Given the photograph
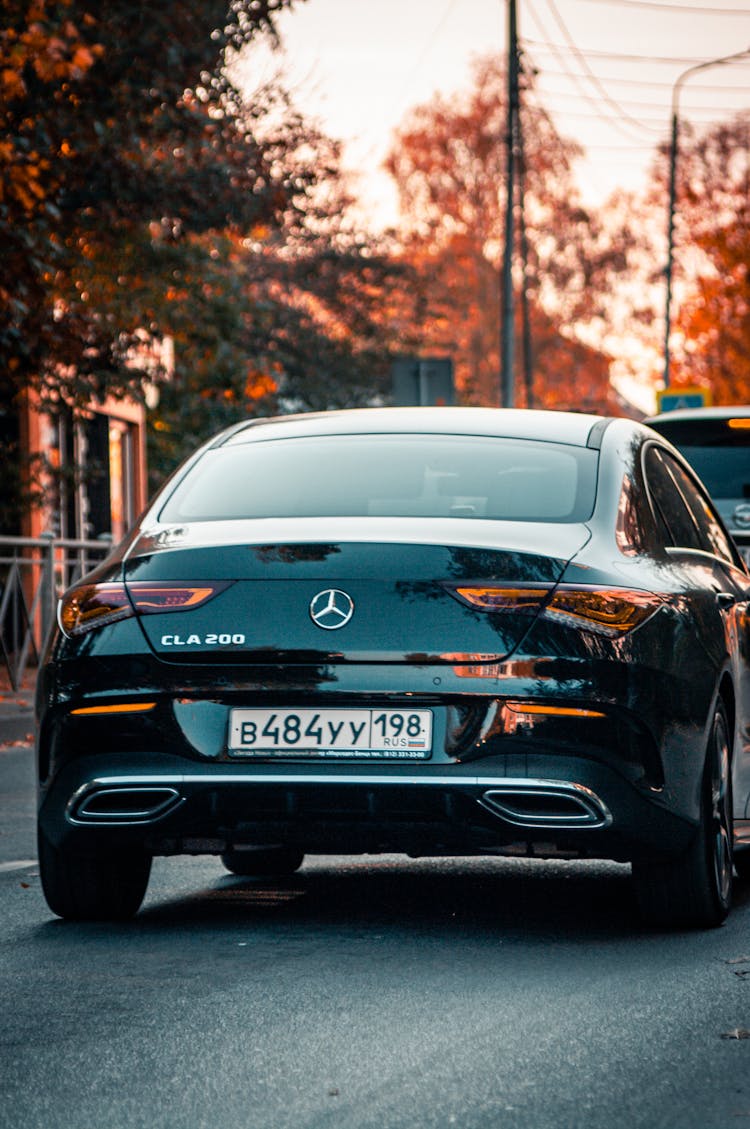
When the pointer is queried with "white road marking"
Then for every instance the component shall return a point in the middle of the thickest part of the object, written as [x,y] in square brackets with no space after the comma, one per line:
[20,864]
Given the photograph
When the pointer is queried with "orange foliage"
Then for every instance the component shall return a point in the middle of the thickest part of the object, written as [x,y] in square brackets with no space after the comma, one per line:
[56,54]
[449,165]
[713,247]
[259,385]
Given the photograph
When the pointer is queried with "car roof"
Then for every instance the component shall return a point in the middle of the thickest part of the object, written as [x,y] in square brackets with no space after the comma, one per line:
[574,428]
[695,415]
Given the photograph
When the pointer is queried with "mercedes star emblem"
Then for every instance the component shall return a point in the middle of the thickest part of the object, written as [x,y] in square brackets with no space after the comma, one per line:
[741,515]
[331,608]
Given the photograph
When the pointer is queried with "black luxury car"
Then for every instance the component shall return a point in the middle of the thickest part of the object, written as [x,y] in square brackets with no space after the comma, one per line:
[716,443]
[438,631]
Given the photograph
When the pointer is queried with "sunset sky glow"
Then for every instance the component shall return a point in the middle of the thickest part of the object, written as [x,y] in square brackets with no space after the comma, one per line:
[605,71]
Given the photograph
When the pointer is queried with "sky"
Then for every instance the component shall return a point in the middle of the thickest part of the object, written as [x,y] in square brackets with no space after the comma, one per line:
[606,71]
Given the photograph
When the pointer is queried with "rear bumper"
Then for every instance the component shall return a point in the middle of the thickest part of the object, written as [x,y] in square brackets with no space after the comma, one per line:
[563,806]
[612,770]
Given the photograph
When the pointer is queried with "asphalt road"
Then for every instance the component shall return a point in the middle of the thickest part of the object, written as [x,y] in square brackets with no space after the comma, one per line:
[381,992]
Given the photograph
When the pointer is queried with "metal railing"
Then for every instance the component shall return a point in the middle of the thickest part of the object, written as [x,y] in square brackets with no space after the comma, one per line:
[33,573]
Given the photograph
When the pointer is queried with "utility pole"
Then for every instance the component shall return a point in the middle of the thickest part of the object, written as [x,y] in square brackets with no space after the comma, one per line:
[507,326]
[528,358]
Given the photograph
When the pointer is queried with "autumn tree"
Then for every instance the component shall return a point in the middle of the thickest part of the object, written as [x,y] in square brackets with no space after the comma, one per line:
[712,258]
[41,49]
[120,125]
[149,198]
[42,52]
[124,144]
[448,160]
[289,315]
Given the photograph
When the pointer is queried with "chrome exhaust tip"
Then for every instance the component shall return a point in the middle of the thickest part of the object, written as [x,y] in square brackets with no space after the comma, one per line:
[122,805]
[541,803]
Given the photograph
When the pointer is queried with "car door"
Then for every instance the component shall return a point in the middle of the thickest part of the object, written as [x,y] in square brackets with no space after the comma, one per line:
[718,582]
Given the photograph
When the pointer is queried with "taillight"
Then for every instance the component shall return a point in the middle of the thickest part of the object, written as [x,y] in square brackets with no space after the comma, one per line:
[491,598]
[610,611]
[607,611]
[92,606]
[148,598]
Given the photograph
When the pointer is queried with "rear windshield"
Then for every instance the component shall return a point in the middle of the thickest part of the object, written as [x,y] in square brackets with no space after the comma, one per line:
[388,476]
[719,454]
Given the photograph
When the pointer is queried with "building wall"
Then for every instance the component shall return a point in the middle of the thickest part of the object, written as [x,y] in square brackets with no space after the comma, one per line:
[97,480]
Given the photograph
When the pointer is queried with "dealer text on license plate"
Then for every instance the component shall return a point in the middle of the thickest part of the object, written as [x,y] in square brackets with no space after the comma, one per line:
[378,734]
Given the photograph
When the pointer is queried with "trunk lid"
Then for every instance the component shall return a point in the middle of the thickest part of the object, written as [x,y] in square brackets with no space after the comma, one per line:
[391,583]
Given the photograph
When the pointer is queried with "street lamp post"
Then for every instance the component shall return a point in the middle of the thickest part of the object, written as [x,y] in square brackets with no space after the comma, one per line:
[673,189]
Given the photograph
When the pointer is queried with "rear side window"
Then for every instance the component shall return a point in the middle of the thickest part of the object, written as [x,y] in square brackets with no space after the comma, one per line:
[669,505]
[713,538]
[684,509]
[388,476]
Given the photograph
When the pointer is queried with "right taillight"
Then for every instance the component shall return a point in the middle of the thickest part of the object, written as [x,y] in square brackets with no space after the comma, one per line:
[493,598]
[610,611]
[606,611]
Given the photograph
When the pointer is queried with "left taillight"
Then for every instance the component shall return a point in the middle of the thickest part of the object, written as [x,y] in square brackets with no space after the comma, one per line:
[90,606]
[605,611]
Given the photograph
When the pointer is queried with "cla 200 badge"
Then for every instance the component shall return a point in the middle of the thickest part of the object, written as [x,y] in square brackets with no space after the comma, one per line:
[212,640]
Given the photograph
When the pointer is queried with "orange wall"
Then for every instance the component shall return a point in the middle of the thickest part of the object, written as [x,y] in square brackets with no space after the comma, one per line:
[35,439]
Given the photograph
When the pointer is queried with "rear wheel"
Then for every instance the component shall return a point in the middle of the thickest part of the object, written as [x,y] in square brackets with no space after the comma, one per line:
[695,889]
[262,861]
[104,887]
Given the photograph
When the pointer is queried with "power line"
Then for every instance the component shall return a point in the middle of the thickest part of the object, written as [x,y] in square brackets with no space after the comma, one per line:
[621,127]
[400,97]
[671,60]
[397,101]
[539,106]
[589,147]
[688,9]
[655,83]
[593,78]
[621,149]
[662,123]
[569,95]
[716,117]
[607,109]
[655,105]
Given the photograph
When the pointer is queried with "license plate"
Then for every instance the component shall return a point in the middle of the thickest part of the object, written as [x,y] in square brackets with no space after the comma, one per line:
[368,734]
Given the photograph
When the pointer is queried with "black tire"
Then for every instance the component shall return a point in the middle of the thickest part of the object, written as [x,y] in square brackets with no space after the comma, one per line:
[695,890]
[261,862]
[103,887]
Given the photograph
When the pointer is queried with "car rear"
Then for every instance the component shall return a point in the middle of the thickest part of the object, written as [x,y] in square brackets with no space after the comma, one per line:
[361,642]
